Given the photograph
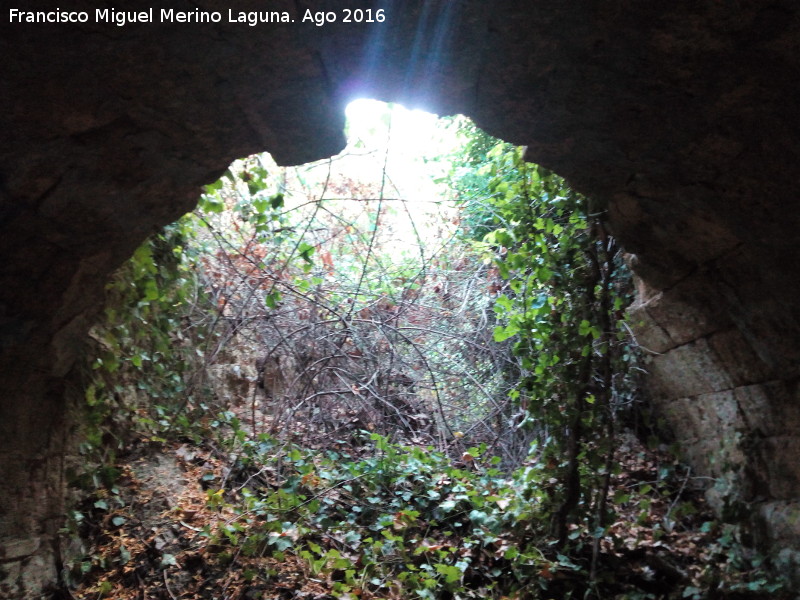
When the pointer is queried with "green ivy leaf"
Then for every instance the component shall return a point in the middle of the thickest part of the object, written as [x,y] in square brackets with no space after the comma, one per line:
[276,201]
[272,299]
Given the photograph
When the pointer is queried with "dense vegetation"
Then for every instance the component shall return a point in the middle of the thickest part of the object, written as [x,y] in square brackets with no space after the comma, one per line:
[368,402]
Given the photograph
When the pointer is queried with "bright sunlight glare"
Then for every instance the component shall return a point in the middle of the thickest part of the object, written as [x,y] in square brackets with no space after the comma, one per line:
[406,139]
[411,130]
[402,155]
[400,144]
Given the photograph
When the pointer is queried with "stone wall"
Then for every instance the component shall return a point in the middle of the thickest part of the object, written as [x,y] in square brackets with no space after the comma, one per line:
[680,118]
[735,418]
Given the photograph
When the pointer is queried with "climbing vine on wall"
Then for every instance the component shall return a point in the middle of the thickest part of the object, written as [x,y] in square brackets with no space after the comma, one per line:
[563,290]
[149,348]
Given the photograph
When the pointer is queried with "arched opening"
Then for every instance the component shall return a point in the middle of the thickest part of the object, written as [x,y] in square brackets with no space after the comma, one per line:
[350,365]
[676,118]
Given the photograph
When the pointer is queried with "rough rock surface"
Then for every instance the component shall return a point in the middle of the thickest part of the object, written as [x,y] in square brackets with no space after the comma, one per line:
[681,118]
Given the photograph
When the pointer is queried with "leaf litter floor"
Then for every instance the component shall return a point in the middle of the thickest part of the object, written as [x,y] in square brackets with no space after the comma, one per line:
[147,542]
